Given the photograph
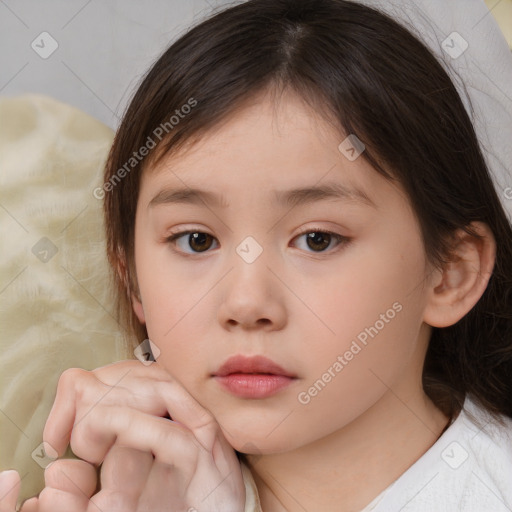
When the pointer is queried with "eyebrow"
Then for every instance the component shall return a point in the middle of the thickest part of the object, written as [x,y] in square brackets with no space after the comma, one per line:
[289,198]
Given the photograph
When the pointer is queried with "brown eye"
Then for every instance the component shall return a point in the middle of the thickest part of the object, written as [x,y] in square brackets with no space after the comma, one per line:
[197,241]
[318,240]
[200,241]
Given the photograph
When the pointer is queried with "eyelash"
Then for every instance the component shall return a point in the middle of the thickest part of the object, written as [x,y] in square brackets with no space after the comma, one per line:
[343,241]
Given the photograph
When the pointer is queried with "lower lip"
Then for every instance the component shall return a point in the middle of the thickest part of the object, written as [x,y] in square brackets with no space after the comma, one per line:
[246,385]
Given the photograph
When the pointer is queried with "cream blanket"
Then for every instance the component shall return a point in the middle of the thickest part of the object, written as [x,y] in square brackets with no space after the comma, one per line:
[55,308]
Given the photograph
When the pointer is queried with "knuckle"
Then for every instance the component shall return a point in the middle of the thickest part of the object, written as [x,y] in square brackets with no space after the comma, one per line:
[113,501]
[71,374]
[90,426]
[47,499]
[88,388]
[71,377]
[90,434]
[208,421]
[164,436]
[169,438]
[165,387]
[54,470]
[208,424]
[30,504]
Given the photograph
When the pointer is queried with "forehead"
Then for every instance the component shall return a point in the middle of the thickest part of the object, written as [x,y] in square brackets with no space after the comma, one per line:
[266,149]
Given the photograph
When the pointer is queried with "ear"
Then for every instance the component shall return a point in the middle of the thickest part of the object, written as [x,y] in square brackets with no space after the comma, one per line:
[455,289]
[138,309]
[123,276]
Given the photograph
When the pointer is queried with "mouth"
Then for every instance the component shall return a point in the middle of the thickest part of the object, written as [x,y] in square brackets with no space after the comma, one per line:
[253,377]
[254,365]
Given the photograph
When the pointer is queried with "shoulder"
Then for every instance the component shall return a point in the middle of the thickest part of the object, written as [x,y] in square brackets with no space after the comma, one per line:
[488,444]
[468,468]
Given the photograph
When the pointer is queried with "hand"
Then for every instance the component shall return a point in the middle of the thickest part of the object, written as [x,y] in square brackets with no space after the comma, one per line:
[117,415]
[68,485]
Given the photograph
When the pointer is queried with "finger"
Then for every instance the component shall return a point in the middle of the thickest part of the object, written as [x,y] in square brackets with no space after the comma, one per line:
[79,390]
[55,500]
[72,476]
[154,396]
[96,434]
[112,501]
[126,469]
[183,407]
[159,391]
[9,490]
[59,424]
[30,505]
[164,485]
[112,372]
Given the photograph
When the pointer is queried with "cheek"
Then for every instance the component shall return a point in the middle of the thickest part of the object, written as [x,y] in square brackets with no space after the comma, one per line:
[372,316]
[164,294]
[351,374]
[177,308]
[368,284]
[171,309]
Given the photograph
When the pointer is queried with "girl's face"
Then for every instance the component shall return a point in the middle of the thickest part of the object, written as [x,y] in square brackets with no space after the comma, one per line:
[345,315]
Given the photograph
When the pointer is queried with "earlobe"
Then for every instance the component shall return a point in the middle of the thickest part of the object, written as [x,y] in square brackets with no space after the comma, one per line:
[122,272]
[464,279]
[138,309]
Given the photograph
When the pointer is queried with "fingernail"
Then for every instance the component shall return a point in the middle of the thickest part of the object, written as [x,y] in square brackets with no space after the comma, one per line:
[8,479]
[50,451]
[7,473]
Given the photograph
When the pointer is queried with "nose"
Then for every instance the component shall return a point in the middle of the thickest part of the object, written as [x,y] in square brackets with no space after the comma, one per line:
[253,297]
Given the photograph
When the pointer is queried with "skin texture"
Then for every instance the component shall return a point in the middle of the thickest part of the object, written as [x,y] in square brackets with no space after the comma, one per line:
[300,306]
[117,416]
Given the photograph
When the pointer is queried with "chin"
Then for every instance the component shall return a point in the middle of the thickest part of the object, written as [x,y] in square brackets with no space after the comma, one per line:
[255,441]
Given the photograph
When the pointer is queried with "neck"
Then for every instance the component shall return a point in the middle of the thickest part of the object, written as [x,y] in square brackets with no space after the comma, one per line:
[347,469]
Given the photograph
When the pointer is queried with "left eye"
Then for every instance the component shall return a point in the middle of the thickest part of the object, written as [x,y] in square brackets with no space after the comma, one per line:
[319,240]
[316,240]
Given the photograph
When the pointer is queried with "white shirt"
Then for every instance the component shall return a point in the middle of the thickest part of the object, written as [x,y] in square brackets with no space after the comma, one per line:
[469,468]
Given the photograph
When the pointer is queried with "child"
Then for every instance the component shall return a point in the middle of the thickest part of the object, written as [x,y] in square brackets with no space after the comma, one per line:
[300,219]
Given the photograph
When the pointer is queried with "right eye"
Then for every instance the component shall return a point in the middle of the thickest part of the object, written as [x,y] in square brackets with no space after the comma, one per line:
[197,240]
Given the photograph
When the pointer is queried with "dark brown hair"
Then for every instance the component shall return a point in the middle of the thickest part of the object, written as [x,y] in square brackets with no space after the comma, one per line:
[370,77]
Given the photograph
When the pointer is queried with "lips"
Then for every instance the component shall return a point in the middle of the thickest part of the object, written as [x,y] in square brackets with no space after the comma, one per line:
[253,377]
[251,365]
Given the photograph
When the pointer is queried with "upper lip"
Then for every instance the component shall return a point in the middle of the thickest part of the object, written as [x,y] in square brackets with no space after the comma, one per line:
[253,364]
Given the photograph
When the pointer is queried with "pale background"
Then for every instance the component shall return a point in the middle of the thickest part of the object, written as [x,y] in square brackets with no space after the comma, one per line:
[54,313]
[105,46]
